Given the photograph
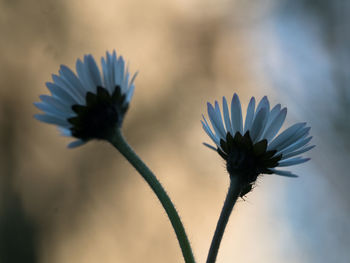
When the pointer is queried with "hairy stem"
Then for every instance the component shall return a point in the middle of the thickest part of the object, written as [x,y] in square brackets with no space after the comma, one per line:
[120,143]
[231,198]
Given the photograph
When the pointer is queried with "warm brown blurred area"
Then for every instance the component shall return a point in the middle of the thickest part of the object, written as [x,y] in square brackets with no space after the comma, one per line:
[88,204]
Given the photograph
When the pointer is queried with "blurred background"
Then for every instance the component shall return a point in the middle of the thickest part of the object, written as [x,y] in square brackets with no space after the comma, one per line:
[89,205]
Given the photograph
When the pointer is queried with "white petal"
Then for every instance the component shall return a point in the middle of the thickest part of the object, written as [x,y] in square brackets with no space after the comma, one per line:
[215,121]
[52,119]
[250,115]
[301,151]
[283,173]
[76,143]
[275,125]
[226,116]
[236,115]
[284,136]
[293,161]
[258,124]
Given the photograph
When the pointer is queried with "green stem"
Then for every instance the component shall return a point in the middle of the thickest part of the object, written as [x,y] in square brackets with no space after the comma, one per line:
[231,198]
[120,143]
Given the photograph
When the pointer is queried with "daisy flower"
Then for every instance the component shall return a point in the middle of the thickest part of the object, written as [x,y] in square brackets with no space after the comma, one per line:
[90,104]
[251,148]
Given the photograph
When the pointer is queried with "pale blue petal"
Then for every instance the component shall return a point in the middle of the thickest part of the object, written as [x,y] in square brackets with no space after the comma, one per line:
[111,65]
[258,125]
[284,136]
[65,132]
[94,72]
[214,119]
[236,115]
[125,82]
[275,110]
[61,94]
[89,78]
[69,75]
[215,138]
[52,119]
[219,118]
[107,77]
[210,147]
[300,134]
[295,146]
[207,129]
[84,79]
[293,161]
[295,153]
[264,103]
[226,116]
[283,173]
[130,93]
[76,143]
[250,115]
[56,102]
[133,78]
[78,98]
[275,125]
[50,109]
[273,114]
[119,69]
[131,88]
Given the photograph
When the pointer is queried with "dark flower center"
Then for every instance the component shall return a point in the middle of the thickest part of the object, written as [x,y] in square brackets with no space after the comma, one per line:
[101,115]
[246,160]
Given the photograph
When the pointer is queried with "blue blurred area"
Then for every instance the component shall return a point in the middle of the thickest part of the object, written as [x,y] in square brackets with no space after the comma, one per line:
[305,51]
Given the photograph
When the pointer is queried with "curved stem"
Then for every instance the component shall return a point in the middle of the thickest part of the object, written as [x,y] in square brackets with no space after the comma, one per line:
[231,198]
[120,143]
